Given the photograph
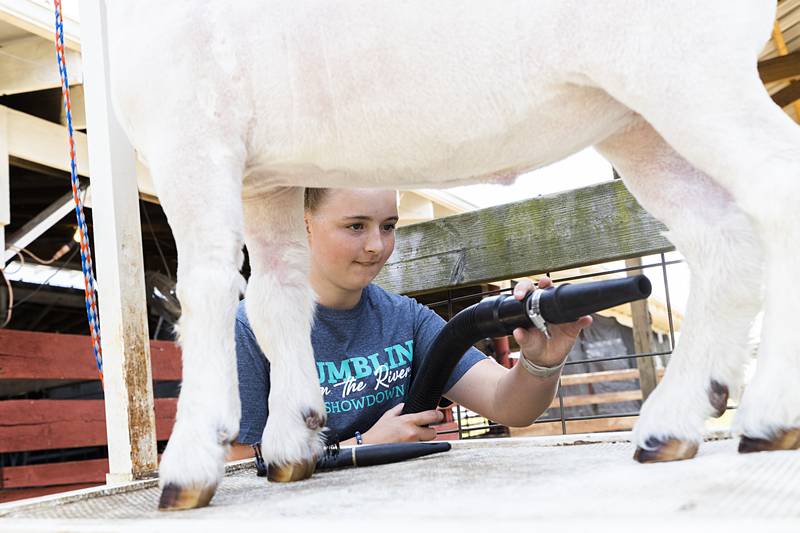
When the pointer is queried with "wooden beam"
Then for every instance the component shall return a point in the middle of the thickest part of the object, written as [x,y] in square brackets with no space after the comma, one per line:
[18,387]
[38,18]
[29,64]
[39,224]
[78,102]
[49,474]
[414,208]
[598,398]
[620,423]
[788,95]
[35,355]
[128,382]
[603,377]
[53,424]
[780,44]
[780,68]
[24,494]
[55,296]
[556,232]
[45,143]
[5,189]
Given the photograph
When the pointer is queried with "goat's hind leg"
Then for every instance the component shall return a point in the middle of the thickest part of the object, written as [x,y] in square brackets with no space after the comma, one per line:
[724,257]
[725,124]
[280,308]
[207,225]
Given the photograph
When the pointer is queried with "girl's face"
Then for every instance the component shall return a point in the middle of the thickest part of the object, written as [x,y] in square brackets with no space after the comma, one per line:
[351,234]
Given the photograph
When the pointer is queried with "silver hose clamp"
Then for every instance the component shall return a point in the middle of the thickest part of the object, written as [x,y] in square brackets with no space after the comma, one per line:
[533,313]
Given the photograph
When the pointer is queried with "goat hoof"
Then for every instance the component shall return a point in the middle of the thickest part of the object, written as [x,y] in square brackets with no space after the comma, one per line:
[718,396]
[787,439]
[291,472]
[175,498]
[658,451]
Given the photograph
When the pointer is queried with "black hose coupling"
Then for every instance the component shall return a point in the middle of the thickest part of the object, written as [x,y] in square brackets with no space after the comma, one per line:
[499,316]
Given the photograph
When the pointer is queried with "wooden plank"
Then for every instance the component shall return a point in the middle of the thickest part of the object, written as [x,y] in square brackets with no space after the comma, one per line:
[779,68]
[620,423]
[29,425]
[55,296]
[28,64]
[44,143]
[64,473]
[23,494]
[584,226]
[39,224]
[5,190]
[599,377]
[605,376]
[788,95]
[78,106]
[37,18]
[599,398]
[33,355]
[128,383]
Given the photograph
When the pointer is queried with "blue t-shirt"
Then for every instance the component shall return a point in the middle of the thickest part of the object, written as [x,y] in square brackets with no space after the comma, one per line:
[363,358]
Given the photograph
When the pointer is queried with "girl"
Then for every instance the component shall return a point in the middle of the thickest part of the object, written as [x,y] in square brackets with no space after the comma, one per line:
[364,338]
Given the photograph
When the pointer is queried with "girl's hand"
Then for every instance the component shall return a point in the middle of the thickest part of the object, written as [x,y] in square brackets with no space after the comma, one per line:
[394,427]
[534,345]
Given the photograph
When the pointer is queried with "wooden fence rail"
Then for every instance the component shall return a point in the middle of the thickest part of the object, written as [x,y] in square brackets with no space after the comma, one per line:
[28,355]
[580,227]
[30,360]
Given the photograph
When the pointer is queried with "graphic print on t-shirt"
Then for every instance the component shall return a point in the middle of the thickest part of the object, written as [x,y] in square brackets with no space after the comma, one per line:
[364,381]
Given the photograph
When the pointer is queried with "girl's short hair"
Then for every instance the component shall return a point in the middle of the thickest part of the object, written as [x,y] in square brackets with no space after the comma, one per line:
[313,198]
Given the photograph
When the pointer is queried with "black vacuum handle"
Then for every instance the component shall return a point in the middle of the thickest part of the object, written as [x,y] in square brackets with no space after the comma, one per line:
[499,316]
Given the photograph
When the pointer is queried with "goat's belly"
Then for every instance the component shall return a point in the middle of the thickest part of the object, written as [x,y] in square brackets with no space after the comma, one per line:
[435,144]
[420,102]
[374,93]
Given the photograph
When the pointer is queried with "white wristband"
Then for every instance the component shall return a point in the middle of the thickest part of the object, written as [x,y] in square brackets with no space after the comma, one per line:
[538,370]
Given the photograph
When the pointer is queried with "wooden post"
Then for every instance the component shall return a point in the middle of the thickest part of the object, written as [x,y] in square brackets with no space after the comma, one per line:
[5,203]
[36,226]
[780,45]
[130,420]
[642,340]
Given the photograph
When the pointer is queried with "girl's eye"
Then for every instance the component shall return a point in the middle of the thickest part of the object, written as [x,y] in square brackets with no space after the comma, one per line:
[388,227]
[356,226]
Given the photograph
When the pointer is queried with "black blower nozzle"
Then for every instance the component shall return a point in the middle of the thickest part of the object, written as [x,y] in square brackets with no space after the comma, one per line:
[567,303]
[499,316]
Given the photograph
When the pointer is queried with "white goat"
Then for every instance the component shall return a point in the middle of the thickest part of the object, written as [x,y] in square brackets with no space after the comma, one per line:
[236,106]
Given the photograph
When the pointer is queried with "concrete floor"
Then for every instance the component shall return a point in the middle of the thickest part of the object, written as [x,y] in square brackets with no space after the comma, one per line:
[584,483]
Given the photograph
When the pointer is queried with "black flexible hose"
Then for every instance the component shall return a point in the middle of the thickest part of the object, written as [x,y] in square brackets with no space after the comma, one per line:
[499,316]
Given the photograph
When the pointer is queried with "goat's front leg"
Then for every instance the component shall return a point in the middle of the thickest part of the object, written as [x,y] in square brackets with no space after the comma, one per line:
[280,308]
[207,226]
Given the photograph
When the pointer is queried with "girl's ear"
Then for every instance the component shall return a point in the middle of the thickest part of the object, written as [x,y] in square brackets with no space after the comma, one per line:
[308,225]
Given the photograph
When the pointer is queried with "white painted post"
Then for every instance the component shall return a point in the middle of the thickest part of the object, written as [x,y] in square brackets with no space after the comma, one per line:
[5,203]
[130,419]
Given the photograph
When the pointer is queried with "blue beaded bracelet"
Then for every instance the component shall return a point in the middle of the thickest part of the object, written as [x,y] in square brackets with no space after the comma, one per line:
[359,440]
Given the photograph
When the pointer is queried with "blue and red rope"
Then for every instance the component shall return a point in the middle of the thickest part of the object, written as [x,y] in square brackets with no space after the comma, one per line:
[86,252]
